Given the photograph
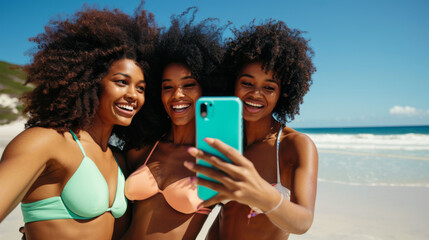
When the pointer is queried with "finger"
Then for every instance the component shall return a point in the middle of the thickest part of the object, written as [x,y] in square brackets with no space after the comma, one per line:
[215,186]
[228,151]
[223,191]
[207,171]
[228,168]
[212,201]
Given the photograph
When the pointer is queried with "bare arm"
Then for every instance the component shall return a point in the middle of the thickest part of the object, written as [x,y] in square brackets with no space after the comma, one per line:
[299,212]
[22,162]
[241,182]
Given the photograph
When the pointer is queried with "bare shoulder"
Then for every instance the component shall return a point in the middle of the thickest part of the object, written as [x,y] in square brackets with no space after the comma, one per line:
[291,136]
[36,144]
[298,145]
[36,138]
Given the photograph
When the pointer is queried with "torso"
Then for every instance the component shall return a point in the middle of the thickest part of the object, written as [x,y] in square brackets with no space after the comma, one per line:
[234,223]
[65,158]
[154,218]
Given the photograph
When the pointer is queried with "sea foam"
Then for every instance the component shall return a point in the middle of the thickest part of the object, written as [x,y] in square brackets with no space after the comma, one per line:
[404,142]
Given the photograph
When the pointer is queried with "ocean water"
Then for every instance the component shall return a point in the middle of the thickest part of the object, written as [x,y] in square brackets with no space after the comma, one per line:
[373,156]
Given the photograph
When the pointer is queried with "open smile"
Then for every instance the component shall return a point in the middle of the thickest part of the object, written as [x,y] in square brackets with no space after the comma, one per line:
[180,108]
[253,107]
[126,110]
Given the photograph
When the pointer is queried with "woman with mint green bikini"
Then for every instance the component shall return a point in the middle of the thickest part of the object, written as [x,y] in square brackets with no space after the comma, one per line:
[89,72]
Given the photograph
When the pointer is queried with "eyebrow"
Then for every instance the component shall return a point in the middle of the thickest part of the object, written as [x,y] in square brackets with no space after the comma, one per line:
[250,76]
[273,81]
[123,74]
[127,76]
[183,78]
[246,75]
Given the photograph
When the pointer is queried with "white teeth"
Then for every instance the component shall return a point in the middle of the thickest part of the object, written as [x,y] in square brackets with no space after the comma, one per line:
[181,106]
[126,107]
[253,104]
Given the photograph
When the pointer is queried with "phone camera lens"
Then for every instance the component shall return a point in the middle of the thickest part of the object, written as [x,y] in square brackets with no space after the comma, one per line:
[203,110]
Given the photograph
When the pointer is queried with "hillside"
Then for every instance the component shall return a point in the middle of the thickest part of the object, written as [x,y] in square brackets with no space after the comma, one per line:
[11,88]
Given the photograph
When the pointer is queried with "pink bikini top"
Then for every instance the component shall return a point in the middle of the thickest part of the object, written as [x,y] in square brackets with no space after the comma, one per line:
[180,195]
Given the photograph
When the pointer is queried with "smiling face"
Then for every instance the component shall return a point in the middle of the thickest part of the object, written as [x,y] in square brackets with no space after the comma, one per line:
[179,93]
[258,91]
[122,93]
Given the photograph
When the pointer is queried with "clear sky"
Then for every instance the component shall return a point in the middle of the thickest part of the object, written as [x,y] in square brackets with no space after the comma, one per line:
[371,56]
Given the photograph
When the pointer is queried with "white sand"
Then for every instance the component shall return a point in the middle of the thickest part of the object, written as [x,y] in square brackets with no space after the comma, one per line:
[9,131]
[369,213]
[342,211]
[10,225]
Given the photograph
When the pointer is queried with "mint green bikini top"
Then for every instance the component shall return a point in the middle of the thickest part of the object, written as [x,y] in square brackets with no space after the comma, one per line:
[85,196]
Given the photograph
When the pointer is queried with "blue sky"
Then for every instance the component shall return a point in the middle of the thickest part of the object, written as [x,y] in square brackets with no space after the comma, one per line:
[371,56]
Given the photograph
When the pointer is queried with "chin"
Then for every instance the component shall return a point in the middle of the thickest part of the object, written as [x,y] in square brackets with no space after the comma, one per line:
[250,118]
[124,123]
[181,122]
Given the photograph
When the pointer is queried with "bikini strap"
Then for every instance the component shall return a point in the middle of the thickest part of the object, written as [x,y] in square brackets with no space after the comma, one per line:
[277,151]
[153,149]
[78,142]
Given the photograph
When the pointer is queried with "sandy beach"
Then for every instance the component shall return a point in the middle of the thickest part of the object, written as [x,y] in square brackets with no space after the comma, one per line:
[10,225]
[342,211]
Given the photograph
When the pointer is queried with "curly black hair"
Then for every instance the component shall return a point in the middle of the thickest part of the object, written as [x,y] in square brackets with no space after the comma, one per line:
[199,46]
[280,49]
[71,58]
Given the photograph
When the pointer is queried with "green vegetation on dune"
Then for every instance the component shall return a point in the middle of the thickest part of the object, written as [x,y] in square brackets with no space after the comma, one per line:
[12,79]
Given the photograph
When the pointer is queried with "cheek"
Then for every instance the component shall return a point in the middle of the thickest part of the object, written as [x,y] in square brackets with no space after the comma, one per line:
[194,94]
[164,98]
[141,100]
[106,95]
[198,94]
[112,93]
[239,92]
[274,97]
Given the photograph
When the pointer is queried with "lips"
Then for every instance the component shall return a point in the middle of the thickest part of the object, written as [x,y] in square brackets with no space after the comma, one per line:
[180,107]
[253,106]
[125,109]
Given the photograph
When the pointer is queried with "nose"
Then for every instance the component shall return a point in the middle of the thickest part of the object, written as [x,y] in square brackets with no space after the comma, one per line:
[257,91]
[131,94]
[178,93]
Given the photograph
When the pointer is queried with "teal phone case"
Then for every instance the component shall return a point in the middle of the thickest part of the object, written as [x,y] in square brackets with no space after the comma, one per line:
[224,121]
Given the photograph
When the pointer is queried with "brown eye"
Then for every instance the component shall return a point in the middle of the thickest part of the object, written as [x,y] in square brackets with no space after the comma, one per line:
[141,89]
[121,82]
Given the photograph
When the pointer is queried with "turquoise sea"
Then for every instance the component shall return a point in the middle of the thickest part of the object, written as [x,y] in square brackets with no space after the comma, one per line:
[373,156]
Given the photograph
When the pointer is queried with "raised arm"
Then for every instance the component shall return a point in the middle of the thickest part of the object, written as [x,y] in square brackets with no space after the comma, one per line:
[241,182]
[22,162]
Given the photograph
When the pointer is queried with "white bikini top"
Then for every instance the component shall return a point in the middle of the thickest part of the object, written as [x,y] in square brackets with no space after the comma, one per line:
[283,190]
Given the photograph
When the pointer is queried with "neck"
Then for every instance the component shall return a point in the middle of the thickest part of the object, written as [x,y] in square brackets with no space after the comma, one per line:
[258,130]
[100,133]
[183,134]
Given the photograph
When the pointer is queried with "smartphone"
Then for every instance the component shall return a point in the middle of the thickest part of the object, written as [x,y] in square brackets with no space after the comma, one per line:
[221,118]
